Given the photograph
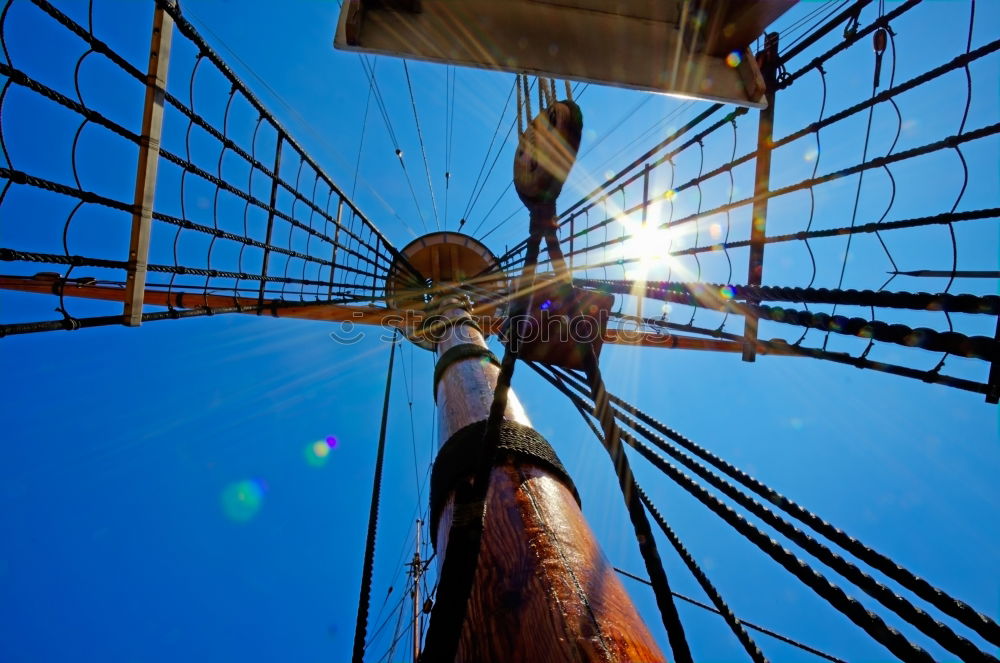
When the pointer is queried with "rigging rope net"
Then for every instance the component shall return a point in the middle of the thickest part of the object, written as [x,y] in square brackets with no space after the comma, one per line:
[243,218]
[873,259]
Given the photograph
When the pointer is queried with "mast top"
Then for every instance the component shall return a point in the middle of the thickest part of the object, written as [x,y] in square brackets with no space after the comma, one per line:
[453,263]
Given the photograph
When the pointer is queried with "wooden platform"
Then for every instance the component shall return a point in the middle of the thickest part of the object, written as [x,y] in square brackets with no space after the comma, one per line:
[693,48]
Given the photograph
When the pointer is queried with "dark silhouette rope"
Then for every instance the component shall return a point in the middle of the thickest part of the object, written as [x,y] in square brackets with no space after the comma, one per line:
[611,440]
[750,625]
[364,600]
[870,622]
[721,607]
[950,605]
[930,626]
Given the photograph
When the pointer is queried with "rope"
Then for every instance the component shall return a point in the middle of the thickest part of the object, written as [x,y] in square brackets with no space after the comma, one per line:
[364,600]
[682,293]
[870,622]
[358,249]
[423,152]
[489,149]
[749,625]
[911,613]
[857,190]
[873,227]
[611,441]
[721,606]
[967,615]
[189,31]
[947,143]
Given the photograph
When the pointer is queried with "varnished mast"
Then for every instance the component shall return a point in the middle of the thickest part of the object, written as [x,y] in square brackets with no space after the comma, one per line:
[541,589]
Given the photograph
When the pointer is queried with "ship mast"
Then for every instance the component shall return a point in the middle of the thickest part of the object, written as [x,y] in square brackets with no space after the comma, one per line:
[543,589]
[522,577]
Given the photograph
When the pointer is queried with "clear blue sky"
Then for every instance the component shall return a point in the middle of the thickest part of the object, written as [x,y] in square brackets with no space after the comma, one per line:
[124,448]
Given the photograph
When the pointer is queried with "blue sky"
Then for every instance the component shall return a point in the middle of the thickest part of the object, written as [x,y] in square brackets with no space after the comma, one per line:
[124,447]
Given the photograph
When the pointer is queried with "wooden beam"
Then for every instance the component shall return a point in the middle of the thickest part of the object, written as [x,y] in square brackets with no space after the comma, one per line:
[632,45]
[762,184]
[741,22]
[675,341]
[270,217]
[360,315]
[149,157]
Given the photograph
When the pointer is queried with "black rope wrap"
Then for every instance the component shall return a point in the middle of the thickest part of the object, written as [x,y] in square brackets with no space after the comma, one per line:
[463,453]
[458,353]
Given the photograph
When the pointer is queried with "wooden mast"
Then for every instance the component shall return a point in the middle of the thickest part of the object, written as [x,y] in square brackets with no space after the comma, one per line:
[543,590]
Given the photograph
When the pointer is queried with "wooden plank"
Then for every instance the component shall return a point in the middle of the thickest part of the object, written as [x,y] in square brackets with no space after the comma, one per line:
[336,243]
[762,184]
[740,22]
[678,342]
[361,315]
[610,47]
[270,216]
[146,168]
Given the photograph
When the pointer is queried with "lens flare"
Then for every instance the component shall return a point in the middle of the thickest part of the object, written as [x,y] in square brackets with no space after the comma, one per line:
[242,500]
[317,453]
[734,59]
[647,246]
[331,441]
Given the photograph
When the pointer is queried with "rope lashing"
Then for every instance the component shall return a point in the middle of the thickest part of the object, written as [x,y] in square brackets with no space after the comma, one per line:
[464,451]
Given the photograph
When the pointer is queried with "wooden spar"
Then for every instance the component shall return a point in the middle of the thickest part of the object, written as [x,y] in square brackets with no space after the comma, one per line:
[149,158]
[543,590]
[360,315]
[762,184]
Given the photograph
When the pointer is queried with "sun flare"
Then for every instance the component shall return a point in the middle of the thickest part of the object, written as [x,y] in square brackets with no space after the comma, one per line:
[646,247]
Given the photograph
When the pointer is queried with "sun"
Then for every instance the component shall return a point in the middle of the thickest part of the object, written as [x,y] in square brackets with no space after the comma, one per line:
[646,247]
